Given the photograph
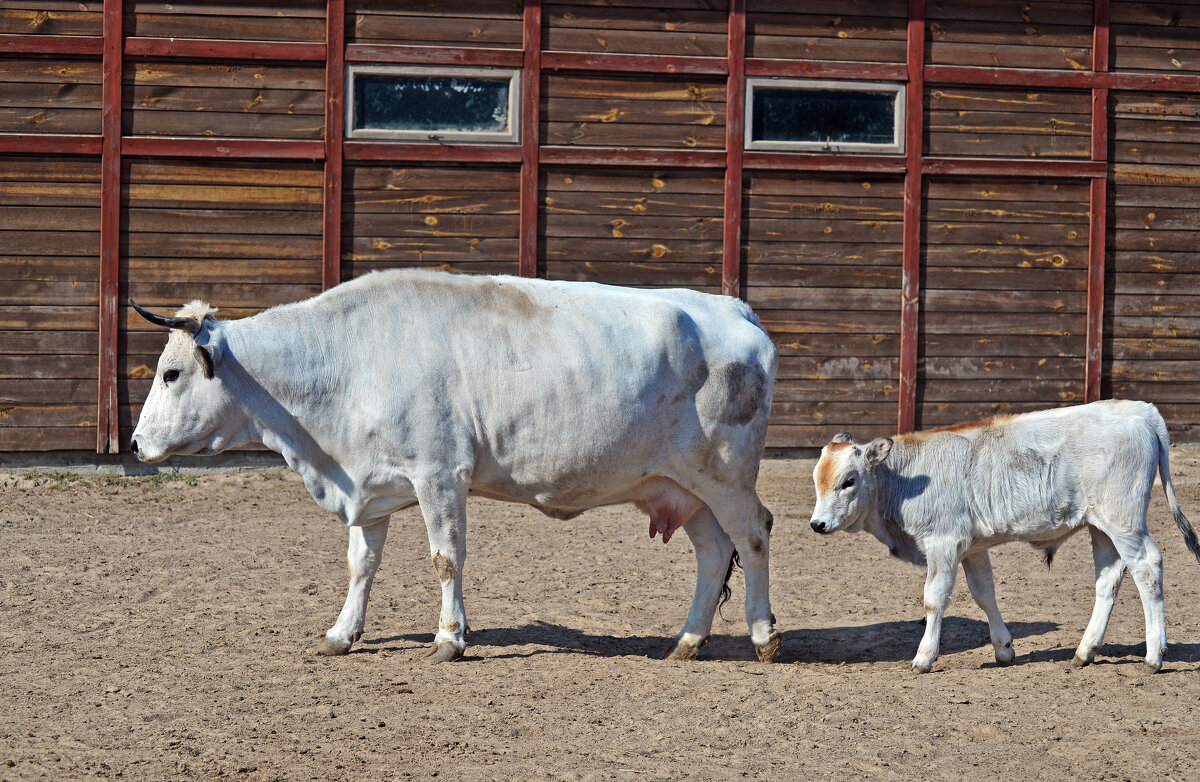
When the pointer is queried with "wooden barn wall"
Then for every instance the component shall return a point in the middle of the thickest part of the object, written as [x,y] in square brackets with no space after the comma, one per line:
[241,236]
[49,238]
[822,264]
[457,218]
[226,189]
[1004,297]
[652,228]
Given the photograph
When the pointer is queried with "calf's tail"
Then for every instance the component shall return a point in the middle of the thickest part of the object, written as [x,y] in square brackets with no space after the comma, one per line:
[1164,473]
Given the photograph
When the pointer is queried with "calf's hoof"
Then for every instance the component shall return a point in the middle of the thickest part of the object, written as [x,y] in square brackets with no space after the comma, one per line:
[922,666]
[683,651]
[770,650]
[1080,662]
[329,648]
[445,652]
[1151,667]
[1005,656]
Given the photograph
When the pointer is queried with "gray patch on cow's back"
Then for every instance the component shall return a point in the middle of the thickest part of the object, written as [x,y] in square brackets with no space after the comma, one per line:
[733,393]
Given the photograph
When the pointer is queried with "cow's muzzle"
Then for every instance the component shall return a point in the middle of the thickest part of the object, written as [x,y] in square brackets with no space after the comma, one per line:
[819,526]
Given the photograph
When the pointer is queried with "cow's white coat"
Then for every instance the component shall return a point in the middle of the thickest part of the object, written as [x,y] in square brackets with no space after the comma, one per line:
[946,496]
[421,387]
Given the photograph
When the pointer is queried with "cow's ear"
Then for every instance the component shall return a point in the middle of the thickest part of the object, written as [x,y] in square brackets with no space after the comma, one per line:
[205,359]
[842,437]
[878,450]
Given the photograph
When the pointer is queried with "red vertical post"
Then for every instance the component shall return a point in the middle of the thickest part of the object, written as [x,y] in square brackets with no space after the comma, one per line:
[335,131]
[910,279]
[735,129]
[107,432]
[531,95]
[1097,210]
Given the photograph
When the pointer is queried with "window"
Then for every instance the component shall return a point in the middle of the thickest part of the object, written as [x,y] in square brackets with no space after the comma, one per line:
[828,116]
[432,104]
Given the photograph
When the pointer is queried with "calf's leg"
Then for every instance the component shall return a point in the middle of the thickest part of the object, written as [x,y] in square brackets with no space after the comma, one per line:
[978,569]
[1110,569]
[939,582]
[444,506]
[1145,565]
[713,552]
[363,554]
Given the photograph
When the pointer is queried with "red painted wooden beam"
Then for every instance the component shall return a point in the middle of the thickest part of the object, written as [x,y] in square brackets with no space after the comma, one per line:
[434,55]
[811,69]
[107,432]
[232,148]
[1007,77]
[384,151]
[335,131]
[52,44]
[794,161]
[208,49]
[1097,209]
[735,128]
[531,91]
[1027,167]
[623,156]
[635,63]
[910,274]
[49,144]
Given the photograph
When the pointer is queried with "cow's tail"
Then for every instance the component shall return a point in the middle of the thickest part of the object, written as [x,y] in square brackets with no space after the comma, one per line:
[726,593]
[1164,473]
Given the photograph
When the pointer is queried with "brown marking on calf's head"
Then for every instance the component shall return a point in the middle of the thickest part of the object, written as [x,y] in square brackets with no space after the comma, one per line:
[831,457]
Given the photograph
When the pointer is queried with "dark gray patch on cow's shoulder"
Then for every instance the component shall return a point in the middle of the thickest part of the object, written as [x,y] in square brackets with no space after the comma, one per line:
[733,394]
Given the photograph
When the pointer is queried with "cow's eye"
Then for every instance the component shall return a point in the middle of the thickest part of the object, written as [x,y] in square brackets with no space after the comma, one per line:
[170,376]
[848,483]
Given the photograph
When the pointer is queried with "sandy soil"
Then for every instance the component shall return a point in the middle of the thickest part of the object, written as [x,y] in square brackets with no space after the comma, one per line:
[155,628]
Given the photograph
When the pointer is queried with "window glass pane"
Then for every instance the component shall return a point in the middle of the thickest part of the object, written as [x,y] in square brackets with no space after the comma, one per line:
[823,115]
[397,102]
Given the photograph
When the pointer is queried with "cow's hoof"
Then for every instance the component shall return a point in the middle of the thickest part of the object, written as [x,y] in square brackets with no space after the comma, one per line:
[1150,667]
[768,652]
[1080,662]
[682,651]
[1005,656]
[445,652]
[921,666]
[329,648]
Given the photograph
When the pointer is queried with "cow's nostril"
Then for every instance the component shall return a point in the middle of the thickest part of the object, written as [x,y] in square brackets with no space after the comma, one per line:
[133,445]
[818,526]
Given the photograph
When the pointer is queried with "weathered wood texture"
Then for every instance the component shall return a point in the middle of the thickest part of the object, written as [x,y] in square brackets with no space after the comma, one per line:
[50,17]
[1154,36]
[866,31]
[677,29]
[1009,34]
[1007,123]
[655,228]
[242,236]
[206,99]
[633,111]
[1152,330]
[460,23]
[822,259]
[49,251]
[60,95]
[1002,331]
[457,218]
[252,20]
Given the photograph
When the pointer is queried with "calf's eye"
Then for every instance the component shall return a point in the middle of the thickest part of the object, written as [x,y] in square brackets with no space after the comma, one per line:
[171,375]
[849,483]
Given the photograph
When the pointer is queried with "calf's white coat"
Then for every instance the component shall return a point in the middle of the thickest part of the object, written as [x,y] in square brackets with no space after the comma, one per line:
[946,496]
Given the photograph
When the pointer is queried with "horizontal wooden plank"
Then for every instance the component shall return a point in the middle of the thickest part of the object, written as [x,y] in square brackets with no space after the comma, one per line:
[945,394]
[1077,58]
[208,124]
[618,203]
[1062,12]
[426,249]
[192,173]
[831,48]
[18,391]
[642,226]
[611,39]
[37,366]
[435,29]
[632,135]
[604,18]
[556,179]
[26,21]
[47,415]
[660,250]
[404,179]
[697,275]
[282,26]
[352,269]
[852,23]
[50,343]
[51,119]
[633,111]
[47,438]
[156,97]
[166,245]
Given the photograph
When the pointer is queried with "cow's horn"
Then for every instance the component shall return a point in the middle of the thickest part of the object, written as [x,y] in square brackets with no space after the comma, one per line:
[187,324]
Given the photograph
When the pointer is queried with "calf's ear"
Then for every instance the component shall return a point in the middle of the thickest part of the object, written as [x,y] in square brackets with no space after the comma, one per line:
[842,437]
[878,450]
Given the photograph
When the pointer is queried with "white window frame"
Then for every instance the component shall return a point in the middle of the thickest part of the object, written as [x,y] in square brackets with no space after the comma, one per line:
[895,89]
[510,136]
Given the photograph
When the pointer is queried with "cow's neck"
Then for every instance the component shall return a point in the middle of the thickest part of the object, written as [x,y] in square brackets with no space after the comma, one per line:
[282,401]
[897,481]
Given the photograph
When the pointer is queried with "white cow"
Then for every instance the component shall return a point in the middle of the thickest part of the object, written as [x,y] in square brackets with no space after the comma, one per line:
[948,495]
[422,387]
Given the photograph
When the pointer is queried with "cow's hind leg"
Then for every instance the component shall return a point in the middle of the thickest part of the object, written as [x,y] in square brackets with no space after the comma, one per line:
[748,524]
[978,569]
[1110,569]
[362,556]
[444,506]
[714,551]
[939,583]
[1145,565]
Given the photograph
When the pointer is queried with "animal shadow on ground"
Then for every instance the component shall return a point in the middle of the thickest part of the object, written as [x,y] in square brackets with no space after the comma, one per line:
[882,642]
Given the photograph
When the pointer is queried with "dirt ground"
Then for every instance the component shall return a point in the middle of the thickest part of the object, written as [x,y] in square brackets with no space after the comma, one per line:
[155,628]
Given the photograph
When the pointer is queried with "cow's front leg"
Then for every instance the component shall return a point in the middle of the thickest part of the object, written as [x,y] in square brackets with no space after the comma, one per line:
[978,568]
[444,506]
[362,556]
[1110,569]
[713,553]
[939,582]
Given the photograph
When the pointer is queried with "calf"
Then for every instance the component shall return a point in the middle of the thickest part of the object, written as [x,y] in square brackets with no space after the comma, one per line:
[946,496]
